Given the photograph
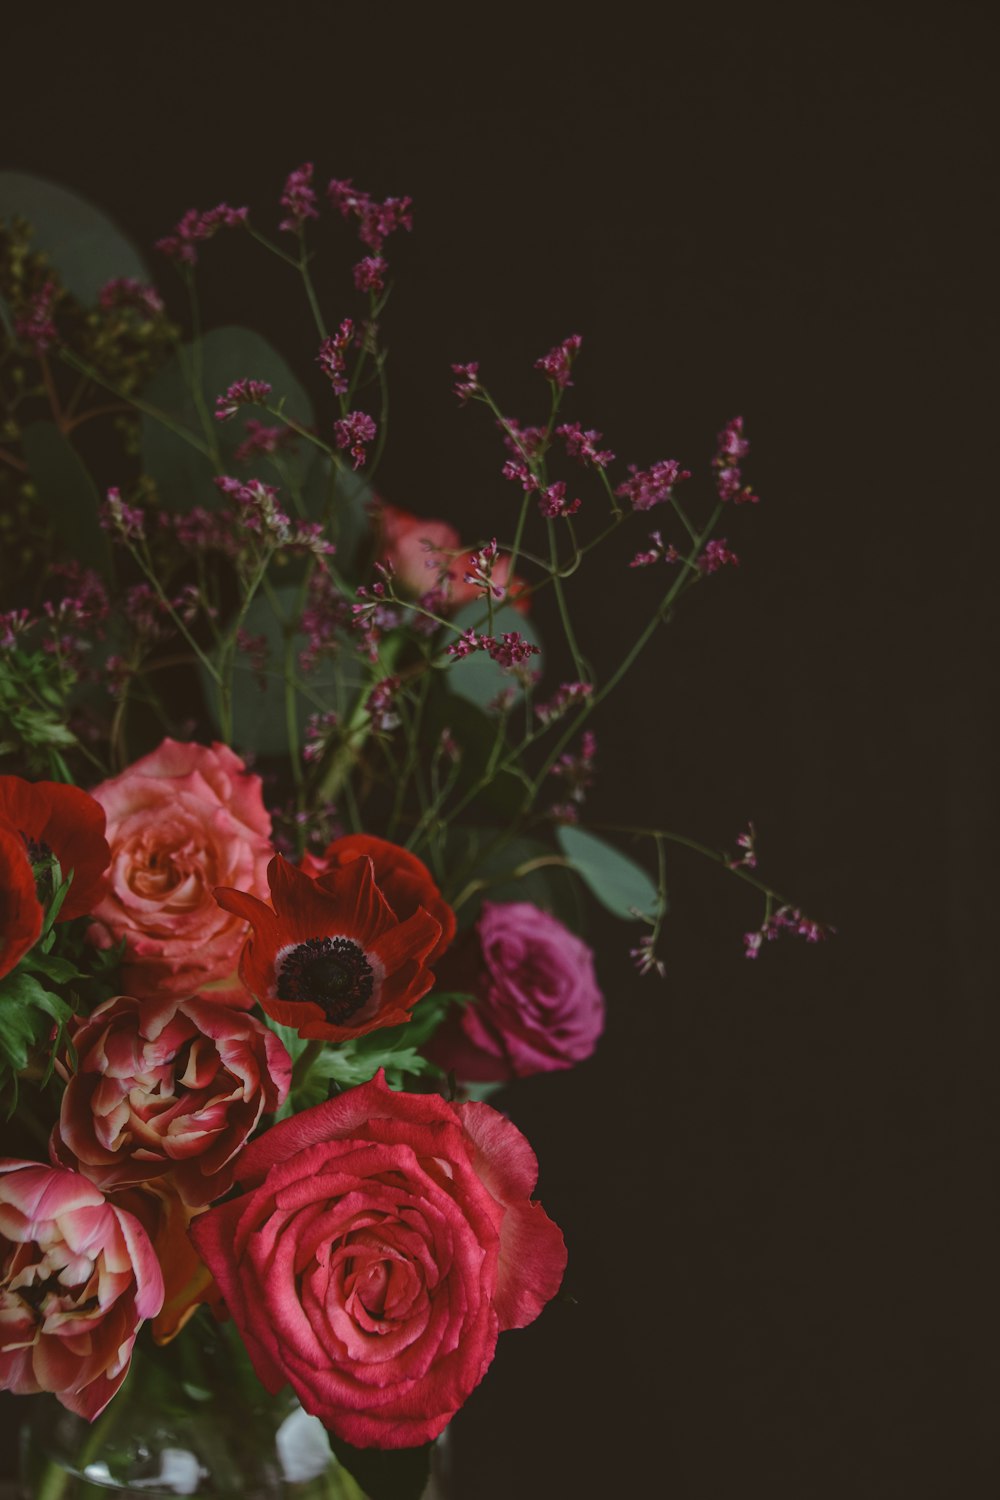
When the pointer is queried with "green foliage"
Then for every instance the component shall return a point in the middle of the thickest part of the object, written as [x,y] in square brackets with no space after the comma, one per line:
[500,793]
[83,245]
[476,677]
[619,884]
[34,695]
[183,458]
[27,1011]
[552,887]
[260,704]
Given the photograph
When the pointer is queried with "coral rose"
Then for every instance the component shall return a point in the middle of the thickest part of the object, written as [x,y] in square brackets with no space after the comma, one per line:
[169,1089]
[425,554]
[77,1277]
[538,1007]
[381,1243]
[331,958]
[404,880]
[181,821]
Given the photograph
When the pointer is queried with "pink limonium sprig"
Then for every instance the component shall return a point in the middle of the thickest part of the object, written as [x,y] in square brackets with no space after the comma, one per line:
[193,227]
[298,199]
[245,392]
[354,432]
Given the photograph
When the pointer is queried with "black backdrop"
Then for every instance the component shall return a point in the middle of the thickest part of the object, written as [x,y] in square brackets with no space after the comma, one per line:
[772,1177]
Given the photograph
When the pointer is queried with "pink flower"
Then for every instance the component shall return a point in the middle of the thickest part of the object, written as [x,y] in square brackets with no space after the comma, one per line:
[538,1007]
[381,1243]
[167,1088]
[77,1277]
[181,821]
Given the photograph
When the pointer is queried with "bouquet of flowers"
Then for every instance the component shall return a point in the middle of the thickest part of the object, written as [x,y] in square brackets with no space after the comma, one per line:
[294,852]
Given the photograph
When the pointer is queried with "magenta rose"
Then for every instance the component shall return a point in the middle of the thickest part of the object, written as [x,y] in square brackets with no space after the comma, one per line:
[181,821]
[167,1089]
[537,1006]
[381,1243]
[77,1277]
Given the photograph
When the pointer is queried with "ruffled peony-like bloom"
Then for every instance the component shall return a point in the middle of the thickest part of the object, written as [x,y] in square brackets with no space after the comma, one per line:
[62,820]
[538,1007]
[77,1277]
[331,958]
[382,1242]
[181,821]
[167,1089]
[404,880]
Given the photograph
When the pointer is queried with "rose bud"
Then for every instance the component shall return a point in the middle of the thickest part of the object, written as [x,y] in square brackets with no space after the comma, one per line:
[537,1005]
[331,958]
[181,821]
[381,1242]
[77,1277]
[167,1089]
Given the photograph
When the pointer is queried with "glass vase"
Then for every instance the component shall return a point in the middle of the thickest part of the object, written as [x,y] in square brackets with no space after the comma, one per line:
[190,1419]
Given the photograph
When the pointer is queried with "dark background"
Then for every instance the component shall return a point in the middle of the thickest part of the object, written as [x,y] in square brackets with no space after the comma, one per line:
[773,1177]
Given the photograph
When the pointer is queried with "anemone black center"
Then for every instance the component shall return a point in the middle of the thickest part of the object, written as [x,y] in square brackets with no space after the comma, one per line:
[330,972]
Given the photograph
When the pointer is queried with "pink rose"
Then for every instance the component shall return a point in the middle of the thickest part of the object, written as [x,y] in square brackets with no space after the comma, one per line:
[381,1243]
[167,1089]
[538,1007]
[181,821]
[77,1277]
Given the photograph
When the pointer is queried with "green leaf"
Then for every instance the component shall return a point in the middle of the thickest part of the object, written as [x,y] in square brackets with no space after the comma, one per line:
[477,677]
[67,493]
[386,1473]
[475,733]
[551,887]
[59,970]
[23,1006]
[183,474]
[619,884]
[260,716]
[344,508]
[84,246]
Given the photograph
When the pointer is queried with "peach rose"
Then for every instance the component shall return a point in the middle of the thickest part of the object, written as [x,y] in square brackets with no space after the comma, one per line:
[181,821]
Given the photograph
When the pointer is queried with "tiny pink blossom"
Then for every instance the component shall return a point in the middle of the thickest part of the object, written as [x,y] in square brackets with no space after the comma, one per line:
[583,445]
[245,392]
[557,364]
[299,199]
[717,555]
[354,431]
[467,384]
[552,501]
[332,356]
[194,226]
[126,521]
[36,326]
[369,274]
[732,446]
[654,486]
[127,291]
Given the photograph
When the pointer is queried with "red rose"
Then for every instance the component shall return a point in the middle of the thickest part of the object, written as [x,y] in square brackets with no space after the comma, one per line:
[77,1277]
[62,820]
[331,958]
[404,880]
[382,1242]
[167,1089]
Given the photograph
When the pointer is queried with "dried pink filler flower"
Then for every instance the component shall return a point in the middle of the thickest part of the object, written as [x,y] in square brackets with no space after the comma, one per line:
[467,384]
[299,199]
[654,486]
[36,326]
[716,555]
[354,431]
[510,651]
[728,475]
[243,392]
[557,364]
[193,227]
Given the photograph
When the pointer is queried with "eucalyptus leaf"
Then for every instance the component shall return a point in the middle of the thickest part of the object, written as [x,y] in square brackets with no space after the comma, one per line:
[66,493]
[85,247]
[183,471]
[619,884]
[260,712]
[477,677]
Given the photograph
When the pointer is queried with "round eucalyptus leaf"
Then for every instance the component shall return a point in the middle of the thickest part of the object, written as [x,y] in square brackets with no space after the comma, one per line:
[619,884]
[181,467]
[85,247]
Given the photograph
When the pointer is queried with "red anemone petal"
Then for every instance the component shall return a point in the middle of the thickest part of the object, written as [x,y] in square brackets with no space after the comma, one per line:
[72,824]
[20,911]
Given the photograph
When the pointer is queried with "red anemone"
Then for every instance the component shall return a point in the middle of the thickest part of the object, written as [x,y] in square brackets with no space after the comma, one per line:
[404,880]
[69,823]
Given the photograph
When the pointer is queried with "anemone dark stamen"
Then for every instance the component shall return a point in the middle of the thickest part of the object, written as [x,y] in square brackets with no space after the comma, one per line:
[332,973]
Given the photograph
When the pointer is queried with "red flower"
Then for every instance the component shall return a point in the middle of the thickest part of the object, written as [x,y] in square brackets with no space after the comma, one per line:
[404,880]
[20,911]
[380,1244]
[332,959]
[64,821]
